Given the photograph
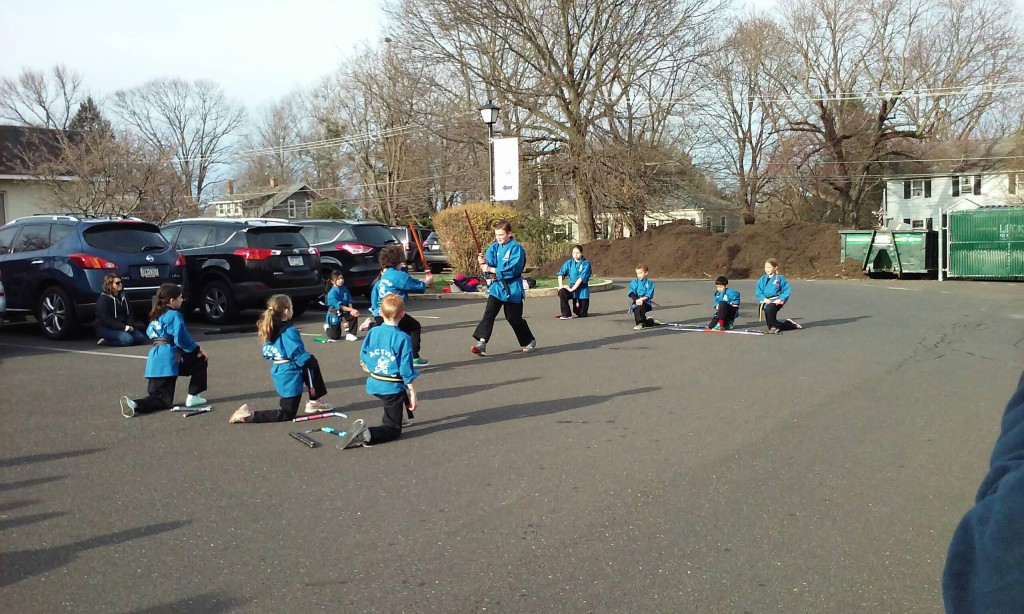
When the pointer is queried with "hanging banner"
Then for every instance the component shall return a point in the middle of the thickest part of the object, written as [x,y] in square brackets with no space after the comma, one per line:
[506,169]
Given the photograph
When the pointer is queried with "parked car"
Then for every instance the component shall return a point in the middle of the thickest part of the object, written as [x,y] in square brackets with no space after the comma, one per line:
[3,298]
[233,264]
[53,265]
[437,259]
[412,255]
[352,247]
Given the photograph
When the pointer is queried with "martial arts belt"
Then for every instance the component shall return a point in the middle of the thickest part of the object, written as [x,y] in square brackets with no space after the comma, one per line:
[760,308]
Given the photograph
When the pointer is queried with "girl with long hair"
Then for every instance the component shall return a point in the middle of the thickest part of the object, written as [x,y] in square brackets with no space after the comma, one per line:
[291,366]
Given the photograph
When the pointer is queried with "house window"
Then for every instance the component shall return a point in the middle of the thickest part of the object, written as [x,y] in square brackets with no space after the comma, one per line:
[722,223]
[1016,183]
[964,185]
[291,209]
[309,207]
[917,224]
[917,188]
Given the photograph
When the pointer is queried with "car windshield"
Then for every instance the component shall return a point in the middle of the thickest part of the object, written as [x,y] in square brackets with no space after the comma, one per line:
[127,238]
[431,238]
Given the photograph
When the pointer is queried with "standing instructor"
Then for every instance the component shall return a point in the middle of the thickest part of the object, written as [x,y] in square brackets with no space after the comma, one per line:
[505,258]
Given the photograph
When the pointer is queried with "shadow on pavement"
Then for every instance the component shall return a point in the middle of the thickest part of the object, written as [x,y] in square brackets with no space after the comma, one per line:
[42,458]
[21,521]
[23,564]
[491,415]
[30,482]
[834,322]
[209,603]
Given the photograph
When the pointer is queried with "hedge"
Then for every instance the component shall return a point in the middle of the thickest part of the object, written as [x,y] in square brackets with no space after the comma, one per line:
[456,239]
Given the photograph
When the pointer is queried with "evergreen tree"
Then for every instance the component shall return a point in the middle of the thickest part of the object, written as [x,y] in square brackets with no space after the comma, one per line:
[89,118]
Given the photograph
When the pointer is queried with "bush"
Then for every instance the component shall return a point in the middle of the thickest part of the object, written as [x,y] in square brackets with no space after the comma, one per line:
[456,239]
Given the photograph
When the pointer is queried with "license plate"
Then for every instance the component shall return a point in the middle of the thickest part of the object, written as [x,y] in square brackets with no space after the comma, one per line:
[435,248]
[149,271]
[295,260]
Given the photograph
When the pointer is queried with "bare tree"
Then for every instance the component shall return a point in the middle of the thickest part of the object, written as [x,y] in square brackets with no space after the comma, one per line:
[39,99]
[98,172]
[560,63]
[192,119]
[867,81]
[743,119]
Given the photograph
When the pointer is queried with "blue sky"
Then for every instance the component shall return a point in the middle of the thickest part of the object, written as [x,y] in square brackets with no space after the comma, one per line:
[257,50]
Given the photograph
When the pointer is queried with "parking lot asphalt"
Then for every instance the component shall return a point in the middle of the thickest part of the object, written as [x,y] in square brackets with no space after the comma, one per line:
[822,470]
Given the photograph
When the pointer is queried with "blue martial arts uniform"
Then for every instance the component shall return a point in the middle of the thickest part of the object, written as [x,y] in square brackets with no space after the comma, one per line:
[387,355]
[730,297]
[639,288]
[337,298]
[572,271]
[395,281]
[508,262]
[287,356]
[776,288]
[164,358]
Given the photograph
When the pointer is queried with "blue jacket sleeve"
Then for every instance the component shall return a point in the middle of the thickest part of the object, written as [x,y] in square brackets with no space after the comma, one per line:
[405,368]
[180,334]
[650,292]
[759,289]
[410,283]
[564,271]
[735,298]
[985,563]
[783,289]
[334,298]
[291,344]
[586,271]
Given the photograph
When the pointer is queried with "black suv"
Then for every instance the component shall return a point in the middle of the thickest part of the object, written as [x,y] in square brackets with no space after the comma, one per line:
[412,254]
[352,247]
[53,265]
[233,264]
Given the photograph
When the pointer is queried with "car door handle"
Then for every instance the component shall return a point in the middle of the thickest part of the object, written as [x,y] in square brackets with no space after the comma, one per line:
[36,262]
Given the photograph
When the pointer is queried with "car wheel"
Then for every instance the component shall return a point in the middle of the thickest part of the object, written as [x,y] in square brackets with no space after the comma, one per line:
[217,303]
[299,308]
[436,268]
[56,313]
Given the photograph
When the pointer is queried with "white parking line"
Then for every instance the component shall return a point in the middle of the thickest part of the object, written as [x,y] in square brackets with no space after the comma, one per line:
[37,347]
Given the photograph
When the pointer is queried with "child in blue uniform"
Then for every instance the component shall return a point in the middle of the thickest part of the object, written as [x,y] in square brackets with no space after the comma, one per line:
[772,293]
[291,366]
[393,280]
[577,294]
[387,356]
[174,354]
[726,304]
[340,312]
[641,292]
[506,258]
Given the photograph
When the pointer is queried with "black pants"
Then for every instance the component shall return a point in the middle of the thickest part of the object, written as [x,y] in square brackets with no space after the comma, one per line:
[725,313]
[313,381]
[771,317]
[348,324]
[160,392]
[640,311]
[410,326]
[579,306]
[514,316]
[391,425]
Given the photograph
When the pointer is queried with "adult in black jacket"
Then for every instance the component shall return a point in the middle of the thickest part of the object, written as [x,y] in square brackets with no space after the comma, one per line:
[114,324]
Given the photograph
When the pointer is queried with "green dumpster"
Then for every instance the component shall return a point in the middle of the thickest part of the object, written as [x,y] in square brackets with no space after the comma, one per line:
[987,243]
[891,251]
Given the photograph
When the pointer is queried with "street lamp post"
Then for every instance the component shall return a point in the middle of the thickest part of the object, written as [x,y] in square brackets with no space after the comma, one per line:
[489,113]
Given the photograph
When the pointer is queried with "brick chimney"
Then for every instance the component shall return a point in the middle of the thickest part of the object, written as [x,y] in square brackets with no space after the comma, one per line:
[273,182]
[231,187]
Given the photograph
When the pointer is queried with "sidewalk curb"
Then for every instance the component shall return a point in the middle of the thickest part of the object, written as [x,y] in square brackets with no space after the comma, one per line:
[603,286]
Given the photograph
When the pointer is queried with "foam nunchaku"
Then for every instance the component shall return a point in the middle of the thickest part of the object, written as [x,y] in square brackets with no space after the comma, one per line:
[326,414]
[304,438]
[192,411]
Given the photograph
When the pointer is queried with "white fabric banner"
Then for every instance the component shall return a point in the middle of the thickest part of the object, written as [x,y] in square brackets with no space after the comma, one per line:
[506,169]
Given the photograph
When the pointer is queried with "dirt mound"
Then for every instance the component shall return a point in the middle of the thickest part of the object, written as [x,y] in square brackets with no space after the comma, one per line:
[681,250]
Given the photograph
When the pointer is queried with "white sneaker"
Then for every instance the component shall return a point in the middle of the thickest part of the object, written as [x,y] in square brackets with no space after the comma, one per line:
[128,407]
[531,346]
[351,337]
[480,348]
[407,421]
[194,400]
[313,407]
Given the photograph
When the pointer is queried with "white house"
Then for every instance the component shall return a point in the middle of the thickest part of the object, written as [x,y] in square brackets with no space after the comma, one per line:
[991,176]
[701,209]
